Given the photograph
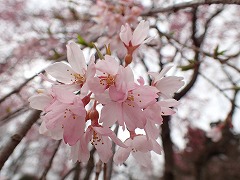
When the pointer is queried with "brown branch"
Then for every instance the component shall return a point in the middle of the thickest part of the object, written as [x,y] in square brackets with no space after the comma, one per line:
[110,163]
[18,88]
[77,171]
[179,6]
[14,114]
[90,165]
[168,149]
[43,177]
[105,168]
[15,139]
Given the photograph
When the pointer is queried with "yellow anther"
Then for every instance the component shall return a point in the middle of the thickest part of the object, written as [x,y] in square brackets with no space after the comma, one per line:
[40,91]
[78,79]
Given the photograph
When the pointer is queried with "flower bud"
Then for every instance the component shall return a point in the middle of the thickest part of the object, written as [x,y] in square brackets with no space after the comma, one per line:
[128,59]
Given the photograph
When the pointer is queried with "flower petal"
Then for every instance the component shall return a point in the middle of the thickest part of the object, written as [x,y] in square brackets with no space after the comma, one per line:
[121,155]
[140,33]
[104,131]
[143,159]
[40,101]
[156,147]
[73,129]
[126,34]
[109,65]
[104,149]
[76,58]
[141,143]
[111,113]
[169,85]
[151,130]
[61,72]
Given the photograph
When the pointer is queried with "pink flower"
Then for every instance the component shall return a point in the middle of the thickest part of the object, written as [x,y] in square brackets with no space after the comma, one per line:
[76,72]
[126,103]
[154,115]
[106,71]
[132,40]
[137,37]
[99,138]
[41,100]
[64,111]
[140,147]
[166,85]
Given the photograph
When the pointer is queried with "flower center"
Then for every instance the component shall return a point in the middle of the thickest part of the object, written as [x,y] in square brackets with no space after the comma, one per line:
[96,139]
[68,113]
[78,79]
[108,80]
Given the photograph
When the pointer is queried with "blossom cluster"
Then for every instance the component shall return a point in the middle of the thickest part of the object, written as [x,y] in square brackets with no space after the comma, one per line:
[87,101]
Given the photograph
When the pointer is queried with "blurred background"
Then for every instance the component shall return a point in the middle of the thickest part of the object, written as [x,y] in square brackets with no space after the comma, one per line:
[201,38]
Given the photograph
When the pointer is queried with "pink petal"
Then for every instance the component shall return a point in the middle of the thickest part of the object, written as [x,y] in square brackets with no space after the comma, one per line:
[140,33]
[126,34]
[40,101]
[156,147]
[111,113]
[63,95]
[167,111]
[76,58]
[153,113]
[141,143]
[108,66]
[168,103]
[55,133]
[143,159]
[145,95]
[133,116]
[151,130]
[169,85]
[95,86]
[73,129]
[121,155]
[104,131]
[104,149]
[117,95]
[125,78]
[103,98]
[54,118]
[79,152]
[61,72]
[91,70]
[157,76]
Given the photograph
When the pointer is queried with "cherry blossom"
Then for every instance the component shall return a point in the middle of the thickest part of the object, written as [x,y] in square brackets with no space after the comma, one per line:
[132,40]
[140,147]
[100,138]
[125,105]
[76,72]
[69,107]
[106,71]
[166,85]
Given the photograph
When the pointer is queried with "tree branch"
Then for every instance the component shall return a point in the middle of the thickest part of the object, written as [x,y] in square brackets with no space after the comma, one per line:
[15,139]
[194,3]
[43,177]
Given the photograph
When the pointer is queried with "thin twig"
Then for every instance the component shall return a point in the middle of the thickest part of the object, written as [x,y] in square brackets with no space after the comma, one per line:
[218,88]
[43,177]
